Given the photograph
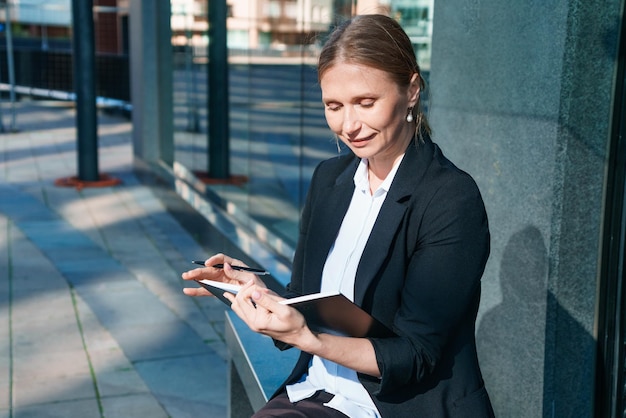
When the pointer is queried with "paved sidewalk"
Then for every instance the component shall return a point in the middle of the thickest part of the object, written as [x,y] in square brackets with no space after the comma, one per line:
[93,321]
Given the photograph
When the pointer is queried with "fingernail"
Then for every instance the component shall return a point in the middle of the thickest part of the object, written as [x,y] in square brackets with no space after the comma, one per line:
[256,295]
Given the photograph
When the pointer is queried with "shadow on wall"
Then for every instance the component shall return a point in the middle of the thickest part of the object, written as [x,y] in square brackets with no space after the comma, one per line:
[511,336]
[514,354]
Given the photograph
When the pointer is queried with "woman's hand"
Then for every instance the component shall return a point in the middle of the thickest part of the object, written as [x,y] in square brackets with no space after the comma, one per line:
[260,309]
[226,275]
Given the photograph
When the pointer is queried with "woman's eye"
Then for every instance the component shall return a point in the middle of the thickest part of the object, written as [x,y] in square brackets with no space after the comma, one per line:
[333,107]
[368,103]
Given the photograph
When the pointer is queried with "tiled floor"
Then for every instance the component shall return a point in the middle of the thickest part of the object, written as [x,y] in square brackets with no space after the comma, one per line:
[92,318]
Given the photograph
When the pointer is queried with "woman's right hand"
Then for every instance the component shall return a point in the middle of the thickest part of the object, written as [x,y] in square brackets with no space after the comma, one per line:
[226,274]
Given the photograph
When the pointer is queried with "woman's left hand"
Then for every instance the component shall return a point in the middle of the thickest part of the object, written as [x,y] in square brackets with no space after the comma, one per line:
[260,309]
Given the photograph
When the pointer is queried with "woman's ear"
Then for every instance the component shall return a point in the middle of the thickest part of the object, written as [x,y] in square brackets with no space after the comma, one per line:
[414,90]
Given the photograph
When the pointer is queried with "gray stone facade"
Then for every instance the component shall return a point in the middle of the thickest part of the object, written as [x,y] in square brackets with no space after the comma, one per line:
[521,98]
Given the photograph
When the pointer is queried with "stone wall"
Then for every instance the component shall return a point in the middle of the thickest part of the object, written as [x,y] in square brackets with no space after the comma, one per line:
[520,97]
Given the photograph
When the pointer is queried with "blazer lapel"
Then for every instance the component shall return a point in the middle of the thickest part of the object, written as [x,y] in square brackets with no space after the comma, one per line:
[410,173]
[330,210]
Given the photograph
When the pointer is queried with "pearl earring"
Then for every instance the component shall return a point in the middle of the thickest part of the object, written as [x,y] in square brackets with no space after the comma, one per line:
[409,117]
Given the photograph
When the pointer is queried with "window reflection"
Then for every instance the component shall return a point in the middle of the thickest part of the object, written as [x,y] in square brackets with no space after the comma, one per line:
[277,129]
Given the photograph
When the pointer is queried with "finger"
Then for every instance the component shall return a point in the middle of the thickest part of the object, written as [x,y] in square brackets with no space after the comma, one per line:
[202,273]
[237,275]
[269,293]
[211,261]
[230,297]
[194,274]
[263,299]
[196,291]
[206,272]
[245,303]
[246,289]
[223,259]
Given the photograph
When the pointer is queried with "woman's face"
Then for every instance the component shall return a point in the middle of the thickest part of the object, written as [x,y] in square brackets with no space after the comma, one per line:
[367,110]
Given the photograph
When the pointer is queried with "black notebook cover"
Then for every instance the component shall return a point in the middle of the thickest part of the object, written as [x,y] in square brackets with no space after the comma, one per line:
[331,313]
[336,314]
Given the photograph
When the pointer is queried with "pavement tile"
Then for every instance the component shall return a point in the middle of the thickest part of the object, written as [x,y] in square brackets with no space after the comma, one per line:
[54,233]
[156,341]
[119,381]
[84,408]
[68,204]
[18,206]
[36,275]
[209,398]
[53,389]
[136,405]
[60,335]
[114,373]
[91,293]
[124,303]
[41,361]
[194,316]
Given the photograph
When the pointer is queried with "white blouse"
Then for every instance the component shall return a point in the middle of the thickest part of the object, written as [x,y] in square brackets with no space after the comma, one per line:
[339,273]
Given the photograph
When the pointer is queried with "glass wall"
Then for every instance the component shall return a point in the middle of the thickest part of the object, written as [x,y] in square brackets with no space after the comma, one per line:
[278,133]
[36,50]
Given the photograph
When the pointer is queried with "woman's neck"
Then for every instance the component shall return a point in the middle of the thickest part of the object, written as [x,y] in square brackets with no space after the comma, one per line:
[379,167]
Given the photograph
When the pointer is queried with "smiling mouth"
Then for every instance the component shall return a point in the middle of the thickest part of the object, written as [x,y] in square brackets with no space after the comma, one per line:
[361,139]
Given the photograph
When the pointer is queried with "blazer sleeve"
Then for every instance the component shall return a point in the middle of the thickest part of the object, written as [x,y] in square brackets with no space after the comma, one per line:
[441,290]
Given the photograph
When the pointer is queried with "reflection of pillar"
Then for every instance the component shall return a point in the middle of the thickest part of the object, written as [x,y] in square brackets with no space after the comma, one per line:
[151,71]
[10,64]
[84,85]
[2,129]
[218,134]
[193,122]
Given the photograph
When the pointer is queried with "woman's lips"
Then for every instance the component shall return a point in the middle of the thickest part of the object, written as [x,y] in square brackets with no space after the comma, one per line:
[361,141]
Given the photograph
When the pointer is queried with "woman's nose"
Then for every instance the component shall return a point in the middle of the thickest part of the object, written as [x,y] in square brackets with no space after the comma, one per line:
[351,121]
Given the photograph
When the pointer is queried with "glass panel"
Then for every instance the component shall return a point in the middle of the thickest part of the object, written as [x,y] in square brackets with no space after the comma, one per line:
[40,37]
[278,133]
[189,42]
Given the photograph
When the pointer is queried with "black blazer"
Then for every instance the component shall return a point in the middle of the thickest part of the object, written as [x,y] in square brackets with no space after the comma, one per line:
[419,274]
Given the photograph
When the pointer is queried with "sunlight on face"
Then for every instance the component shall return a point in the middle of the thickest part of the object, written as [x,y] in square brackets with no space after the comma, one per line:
[367,111]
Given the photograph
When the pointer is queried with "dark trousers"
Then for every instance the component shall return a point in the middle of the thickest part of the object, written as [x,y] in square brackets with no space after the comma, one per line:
[312,407]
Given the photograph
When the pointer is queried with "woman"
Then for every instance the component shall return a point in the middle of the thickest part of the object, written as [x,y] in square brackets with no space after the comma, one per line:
[395,227]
